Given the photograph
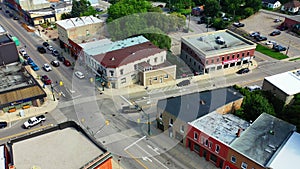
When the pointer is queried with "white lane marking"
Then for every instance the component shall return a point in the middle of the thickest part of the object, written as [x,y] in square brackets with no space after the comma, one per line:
[126,100]
[147,159]
[152,157]
[154,149]
[134,143]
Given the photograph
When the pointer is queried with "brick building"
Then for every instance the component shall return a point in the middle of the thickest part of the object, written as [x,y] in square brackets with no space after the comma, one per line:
[217,50]
[174,113]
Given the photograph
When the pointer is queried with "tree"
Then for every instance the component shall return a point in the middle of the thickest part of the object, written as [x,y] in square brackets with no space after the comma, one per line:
[254,4]
[248,11]
[82,8]
[211,8]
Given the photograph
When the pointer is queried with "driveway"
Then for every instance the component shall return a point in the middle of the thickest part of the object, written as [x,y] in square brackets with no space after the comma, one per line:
[263,22]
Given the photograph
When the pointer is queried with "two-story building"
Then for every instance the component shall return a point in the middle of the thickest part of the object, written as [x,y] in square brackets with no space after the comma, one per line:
[218,50]
[210,135]
[284,85]
[174,113]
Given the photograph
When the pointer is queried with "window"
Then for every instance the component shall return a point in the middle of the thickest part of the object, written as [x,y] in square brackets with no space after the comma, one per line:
[195,136]
[232,56]
[206,62]
[122,71]
[171,122]
[217,148]
[133,76]
[190,60]
[155,78]
[123,80]
[218,59]
[202,140]
[194,63]
[206,143]
[212,61]
[209,144]
[135,67]
[160,116]
[227,57]
[227,167]
[166,76]
[186,56]
[155,59]
[238,55]
[223,58]
[233,159]
[111,73]
[148,61]
[243,54]
[248,53]
[244,165]
[182,129]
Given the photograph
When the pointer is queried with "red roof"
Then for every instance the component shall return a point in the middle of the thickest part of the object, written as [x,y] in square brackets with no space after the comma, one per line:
[127,55]
[292,4]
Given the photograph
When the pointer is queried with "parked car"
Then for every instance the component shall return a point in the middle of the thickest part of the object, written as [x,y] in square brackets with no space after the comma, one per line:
[47,67]
[3,124]
[271,42]
[34,121]
[6,11]
[279,48]
[55,52]
[46,44]
[184,83]
[10,15]
[61,58]
[22,52]
[254,34]
[253,88]
[55,63]
[274,33]
[46,80]
[50,47]
[238,24]
[15,18]
[79,74]
[277,20]
[260,38]
[67,63]
[243,71]
[131,109]
[41,49]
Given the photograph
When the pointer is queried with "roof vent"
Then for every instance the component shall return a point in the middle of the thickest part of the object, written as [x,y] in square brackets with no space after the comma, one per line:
[220,40]
[112,59]
[133,53]
[202,102]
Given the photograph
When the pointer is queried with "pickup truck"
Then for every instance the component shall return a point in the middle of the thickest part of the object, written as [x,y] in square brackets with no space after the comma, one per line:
[131,109]
[34,121]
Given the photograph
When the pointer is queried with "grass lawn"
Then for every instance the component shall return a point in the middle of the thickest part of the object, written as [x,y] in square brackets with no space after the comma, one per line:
[294,59]
[270,52]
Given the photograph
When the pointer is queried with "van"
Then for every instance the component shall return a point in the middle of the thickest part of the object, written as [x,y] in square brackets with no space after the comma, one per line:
[3,124]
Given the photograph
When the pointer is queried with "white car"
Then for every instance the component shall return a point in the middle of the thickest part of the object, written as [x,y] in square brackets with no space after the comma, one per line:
[254,34]
[34,121]
[270,42]
[79,74]
[50,47]
[253,88]
[47,67]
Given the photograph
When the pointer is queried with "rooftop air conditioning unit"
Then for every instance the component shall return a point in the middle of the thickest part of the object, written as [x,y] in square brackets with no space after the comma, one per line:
[220,40]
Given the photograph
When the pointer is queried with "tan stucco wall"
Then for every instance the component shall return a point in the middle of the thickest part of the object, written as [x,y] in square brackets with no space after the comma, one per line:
[267,86]
[148,77]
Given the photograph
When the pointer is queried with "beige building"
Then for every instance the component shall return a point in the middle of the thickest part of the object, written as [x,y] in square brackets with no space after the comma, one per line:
[174,113]
[284,85]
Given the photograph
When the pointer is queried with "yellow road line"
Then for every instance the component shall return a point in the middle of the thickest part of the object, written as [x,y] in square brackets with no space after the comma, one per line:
[138,161]
[25,132]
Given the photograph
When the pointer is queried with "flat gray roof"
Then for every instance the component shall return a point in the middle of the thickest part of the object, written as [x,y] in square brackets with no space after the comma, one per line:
[288,82]
[288,154]
[262,139]
[60,149]
[205,43]
[222,127]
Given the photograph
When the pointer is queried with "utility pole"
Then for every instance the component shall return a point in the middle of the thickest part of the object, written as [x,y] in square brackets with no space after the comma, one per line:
[52,92]
[148,116]
[287,50]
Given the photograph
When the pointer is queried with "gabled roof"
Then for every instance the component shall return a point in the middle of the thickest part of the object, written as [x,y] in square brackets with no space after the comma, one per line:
[127,55]
[190,107]
[269,1]
[77,22]
[261,140]
[292,4]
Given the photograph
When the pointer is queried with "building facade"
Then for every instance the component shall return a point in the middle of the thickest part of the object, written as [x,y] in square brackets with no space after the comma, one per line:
[273,4]
[291,7]
[214,51]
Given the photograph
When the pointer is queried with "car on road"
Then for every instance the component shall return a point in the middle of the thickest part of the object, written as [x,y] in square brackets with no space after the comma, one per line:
[50,48]
[55,52]
[67,63]
[6,11]
[254,34]
[55,63]
[46,80]
[15,18]
[3,124]
[279,48]
[35,67]
[24,53]
[79,74]
[41,49]
[131,109]
[46,44]
[47,67]
[270,42]
[243,71]
[183,83]
[260,38]
[61,58]
[34,121]
[238,24]
[274,33]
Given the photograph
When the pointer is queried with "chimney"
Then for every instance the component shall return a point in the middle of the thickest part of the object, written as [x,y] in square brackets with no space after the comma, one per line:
[239,132]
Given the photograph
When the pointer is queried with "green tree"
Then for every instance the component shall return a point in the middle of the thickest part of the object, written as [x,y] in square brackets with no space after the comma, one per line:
[82,8]
[232,6]
[248,11]
[212,8]
[256,5]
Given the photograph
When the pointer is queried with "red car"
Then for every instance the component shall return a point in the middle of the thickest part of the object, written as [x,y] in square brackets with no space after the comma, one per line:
[45,79]
[67,63]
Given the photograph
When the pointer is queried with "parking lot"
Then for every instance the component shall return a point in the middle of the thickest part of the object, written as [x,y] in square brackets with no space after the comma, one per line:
[263,22]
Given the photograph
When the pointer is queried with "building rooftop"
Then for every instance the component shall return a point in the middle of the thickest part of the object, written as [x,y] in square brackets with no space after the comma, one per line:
[192,106]
[206,44]
[296,18]
[4,39]
[287,155]
[77,22]
[66,148]
[105,45]
[262,139]
[2,157]
[288,82]
[221,127]
[127,55]
[2,30]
